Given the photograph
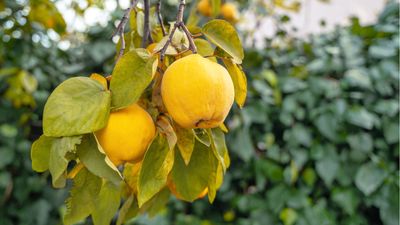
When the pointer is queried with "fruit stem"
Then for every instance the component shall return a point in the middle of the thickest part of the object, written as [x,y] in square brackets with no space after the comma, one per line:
[121,27]
[179,24]
[160,20]
[75,170]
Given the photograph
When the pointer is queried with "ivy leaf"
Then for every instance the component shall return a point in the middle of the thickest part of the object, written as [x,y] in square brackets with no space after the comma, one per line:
[239,81]
[131,75]
[94,160]
[190,180]
[40,153]
[58,160]
[185,142]
[107,204]
[223,34]
[156,165]
[77,106]
[83,195]
[369,177]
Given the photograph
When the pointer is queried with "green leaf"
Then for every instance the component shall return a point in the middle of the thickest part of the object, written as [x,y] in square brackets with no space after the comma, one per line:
[190,180]
[239,81]
[218,146]
[128,210]
[185,142]
[47,14]
[156,165]
[215,7]
[131,75]
[106,204]
[288,216]
[94,160]
[328,166]
[140,23]
[347,199]
[156,203]
[360,117]
[77,106]
[369,177]
[215,178]
[58,160]
[361,142]
[223,34]
[202,136]
[205,49]
[83,195]
[40,153]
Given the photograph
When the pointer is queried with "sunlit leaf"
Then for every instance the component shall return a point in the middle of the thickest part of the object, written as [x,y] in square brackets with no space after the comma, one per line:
[223,34]
[40,153]
[77,106]
[58,160]
[131,75]
[204,48]
[185,142]
[239,81]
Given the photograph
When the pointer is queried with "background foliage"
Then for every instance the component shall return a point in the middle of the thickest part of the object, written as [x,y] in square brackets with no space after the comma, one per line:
[317,143]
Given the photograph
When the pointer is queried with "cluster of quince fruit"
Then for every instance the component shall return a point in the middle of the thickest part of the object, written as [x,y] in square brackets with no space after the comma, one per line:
[228,11]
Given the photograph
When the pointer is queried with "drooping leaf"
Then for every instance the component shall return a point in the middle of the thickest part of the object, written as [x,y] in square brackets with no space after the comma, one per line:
[128,210]
[106,204]
[156,165]
[58,161]
[94,160]
[131,175]
[156,203]
[185,142]
[190,180]
[40,153]
[131,75]
[239,81]
[218,146]
[223,34]
[202,136]
[77,106]
[166,129]
[83,195]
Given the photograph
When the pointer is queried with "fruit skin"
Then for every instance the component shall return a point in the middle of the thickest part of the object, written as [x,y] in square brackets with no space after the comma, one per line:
[204,7]
[197,92]
[230,12]
[127,135]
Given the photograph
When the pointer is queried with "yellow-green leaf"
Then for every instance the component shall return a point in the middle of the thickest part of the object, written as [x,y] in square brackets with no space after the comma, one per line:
[185,142]
[215,7]
[191,180]
[156,165]
[46,13]
[128,210]
[239,81]
[204,48]
[83,195]
[58,160]
[94,160]
[107,204]
[218,146]
[131,75]
[77,106]
[156,203]
[223,34]
[40,153]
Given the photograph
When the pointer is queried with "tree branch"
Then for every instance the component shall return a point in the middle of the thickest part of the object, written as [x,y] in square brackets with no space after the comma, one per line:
[160,20]
[179,24]
[146,27]
[121,28]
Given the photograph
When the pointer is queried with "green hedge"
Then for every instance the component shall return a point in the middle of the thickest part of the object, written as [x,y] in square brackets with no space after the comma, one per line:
[318,140]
